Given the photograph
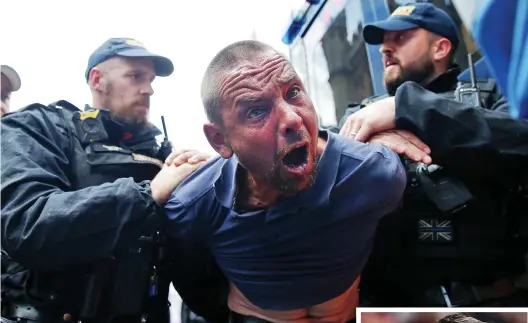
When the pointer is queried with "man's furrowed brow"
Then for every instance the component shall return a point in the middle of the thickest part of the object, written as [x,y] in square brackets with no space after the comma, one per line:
[247,101]
[288,77]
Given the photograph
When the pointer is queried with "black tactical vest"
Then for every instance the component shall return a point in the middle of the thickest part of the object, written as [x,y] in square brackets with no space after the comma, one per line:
[476,241]
[126,281]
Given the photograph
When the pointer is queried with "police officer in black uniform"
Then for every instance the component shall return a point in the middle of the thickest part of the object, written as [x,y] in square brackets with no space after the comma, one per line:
[460,237]
[81,202]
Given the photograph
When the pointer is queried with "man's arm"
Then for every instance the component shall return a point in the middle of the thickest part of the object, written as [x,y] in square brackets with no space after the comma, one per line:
[474,140]
[45,224]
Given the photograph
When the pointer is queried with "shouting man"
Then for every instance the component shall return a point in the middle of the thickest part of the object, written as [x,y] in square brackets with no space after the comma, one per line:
[289,212]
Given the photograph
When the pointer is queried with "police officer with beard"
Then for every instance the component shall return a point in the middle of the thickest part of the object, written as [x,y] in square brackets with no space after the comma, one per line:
[82,197]
[460,237]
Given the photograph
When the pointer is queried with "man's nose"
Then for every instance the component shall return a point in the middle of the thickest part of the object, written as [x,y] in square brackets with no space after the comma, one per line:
[291,122]
[386,48]
[147,89]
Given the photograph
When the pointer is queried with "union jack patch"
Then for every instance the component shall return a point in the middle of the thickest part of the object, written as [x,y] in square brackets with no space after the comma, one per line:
[432,230]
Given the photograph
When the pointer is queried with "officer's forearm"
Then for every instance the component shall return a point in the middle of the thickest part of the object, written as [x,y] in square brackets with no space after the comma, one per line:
[471,138]
[55,228]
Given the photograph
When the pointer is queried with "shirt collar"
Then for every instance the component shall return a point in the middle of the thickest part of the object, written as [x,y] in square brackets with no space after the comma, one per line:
[225,186]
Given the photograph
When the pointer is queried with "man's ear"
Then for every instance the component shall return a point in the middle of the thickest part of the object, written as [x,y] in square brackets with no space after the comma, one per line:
[442,49]
[95,80]
[217,139]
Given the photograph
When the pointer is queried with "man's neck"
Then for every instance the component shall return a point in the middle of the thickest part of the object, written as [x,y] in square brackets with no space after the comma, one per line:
[253,193]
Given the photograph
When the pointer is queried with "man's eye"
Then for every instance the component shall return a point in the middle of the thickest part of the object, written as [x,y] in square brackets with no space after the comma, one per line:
[293,92]
[254,113]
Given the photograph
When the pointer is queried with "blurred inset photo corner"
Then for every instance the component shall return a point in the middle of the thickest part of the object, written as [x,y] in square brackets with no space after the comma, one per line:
[445,317]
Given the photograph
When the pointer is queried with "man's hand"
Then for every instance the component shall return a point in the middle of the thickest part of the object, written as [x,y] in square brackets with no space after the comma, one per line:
[181,156]
[404,143]
[376,117]
[169,178]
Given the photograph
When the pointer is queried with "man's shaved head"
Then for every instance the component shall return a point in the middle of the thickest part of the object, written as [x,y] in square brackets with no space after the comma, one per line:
[228,58]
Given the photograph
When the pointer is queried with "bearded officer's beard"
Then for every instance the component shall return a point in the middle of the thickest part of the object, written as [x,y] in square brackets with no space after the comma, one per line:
[130,121]
[418,73]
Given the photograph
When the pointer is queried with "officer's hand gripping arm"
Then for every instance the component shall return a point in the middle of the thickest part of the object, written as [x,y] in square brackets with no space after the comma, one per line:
[473,140]
[45,224]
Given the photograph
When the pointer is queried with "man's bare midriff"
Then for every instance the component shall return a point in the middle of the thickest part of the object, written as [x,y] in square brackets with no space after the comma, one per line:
[338,310]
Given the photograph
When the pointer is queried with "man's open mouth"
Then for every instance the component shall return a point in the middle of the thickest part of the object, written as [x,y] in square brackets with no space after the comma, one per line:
[297,159]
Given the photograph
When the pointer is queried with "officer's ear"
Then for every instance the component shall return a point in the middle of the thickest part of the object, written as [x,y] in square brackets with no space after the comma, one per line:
[441,49]
[217,139]
[96,80]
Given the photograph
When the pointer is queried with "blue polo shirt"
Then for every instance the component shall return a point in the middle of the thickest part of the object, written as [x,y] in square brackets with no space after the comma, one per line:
[306,249]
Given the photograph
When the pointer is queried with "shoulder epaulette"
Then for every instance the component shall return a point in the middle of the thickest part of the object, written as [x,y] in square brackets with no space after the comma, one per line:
[63,104]
[31,107]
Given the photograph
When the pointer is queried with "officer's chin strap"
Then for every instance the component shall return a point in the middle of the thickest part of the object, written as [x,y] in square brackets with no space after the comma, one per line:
[446,296]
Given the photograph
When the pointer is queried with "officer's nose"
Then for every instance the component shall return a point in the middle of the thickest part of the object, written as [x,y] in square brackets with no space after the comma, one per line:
[147,89]
[386,48]
[291,122]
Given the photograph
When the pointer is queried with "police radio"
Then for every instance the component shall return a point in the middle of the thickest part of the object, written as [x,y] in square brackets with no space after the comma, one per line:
[166,148]
[469,95]
[449,194]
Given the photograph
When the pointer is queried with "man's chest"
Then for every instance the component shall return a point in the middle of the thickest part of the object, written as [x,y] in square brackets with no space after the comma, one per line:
[281,239]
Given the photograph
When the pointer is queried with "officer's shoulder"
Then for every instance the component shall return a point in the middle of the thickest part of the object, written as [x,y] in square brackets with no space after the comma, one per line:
[374,98]
[46,110]
[200,183]
[42,116]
